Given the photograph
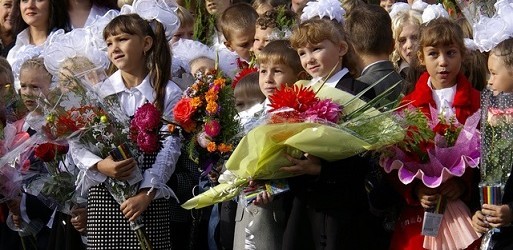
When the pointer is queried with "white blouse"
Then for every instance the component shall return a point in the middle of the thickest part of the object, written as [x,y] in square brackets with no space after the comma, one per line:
[443,98]
[130,99]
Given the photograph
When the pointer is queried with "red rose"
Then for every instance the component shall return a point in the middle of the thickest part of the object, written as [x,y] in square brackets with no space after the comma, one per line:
[48,151]
[183,111]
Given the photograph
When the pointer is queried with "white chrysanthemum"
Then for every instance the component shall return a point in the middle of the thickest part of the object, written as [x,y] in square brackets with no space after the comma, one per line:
[331,9]
[434,11]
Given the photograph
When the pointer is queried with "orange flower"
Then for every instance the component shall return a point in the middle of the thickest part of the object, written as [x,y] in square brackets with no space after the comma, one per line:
[223,148]
[219,81]
[196,102]
[195,87]
[211,147]
[211,95]
[212,107]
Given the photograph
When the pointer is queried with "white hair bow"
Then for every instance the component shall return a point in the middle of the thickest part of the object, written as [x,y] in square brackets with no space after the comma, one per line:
[331,9]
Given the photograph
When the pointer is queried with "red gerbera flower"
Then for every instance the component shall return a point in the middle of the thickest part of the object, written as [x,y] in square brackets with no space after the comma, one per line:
[296,97]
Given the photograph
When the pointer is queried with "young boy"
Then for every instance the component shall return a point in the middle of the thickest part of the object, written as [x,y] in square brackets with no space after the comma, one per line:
[279,64]
[374,46]
[237,24]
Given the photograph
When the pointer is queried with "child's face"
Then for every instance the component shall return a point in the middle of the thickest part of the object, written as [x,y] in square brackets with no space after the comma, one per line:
[261,39]
[216,7]
[501,76]
[241,43]
[407,41]
[184,32]
[5,14]
[244,101]
[272,75]
[202,64]
[443,63]
[386,4]
[320,59]
[34,82]
[127,51]
[35,13]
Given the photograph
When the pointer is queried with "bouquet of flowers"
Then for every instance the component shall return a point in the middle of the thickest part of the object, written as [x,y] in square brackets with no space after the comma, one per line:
[207,113]
[78,113]
[496,144]
[145,128]
[433,151]
[301,118]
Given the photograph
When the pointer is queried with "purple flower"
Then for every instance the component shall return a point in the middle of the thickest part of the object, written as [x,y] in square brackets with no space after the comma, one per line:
[148,142]
[326,110]
[147,117]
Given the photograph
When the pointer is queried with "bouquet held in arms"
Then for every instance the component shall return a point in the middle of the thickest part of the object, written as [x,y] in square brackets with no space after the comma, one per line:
[435,150]
[206,113]
[83,116]
[313,120]
[496,150]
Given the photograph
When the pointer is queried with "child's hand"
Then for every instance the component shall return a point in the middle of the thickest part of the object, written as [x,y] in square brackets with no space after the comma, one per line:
[120,170]
[311,165]
[497,215]
[452,189]
[263,198]
[14,207]
[479,224]
[134,206]
[79,218]
[428,197]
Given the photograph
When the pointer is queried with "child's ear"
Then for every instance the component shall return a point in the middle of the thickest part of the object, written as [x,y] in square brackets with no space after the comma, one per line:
[228,45]
[147,43]
[420,56]
[303,75]
[343,47]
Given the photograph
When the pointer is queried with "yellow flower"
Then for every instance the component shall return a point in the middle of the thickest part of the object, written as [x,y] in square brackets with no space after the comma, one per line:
[211,107]
[50,118]
[211,147]
[196,102]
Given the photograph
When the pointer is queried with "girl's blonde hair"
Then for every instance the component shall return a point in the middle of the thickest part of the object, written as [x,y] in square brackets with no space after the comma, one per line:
[398,22]
[185,16]
[35,63]
[316,30]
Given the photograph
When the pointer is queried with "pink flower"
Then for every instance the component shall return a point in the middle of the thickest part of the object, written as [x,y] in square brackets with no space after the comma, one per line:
[147,117]
[326,110]
[148,142]
[212,128]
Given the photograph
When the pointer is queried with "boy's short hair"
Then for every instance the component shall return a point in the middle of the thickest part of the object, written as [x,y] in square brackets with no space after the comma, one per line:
[441,31]
[370,27]
[237,17]
[280,52]
[504,50]
[248,86]
[276,17]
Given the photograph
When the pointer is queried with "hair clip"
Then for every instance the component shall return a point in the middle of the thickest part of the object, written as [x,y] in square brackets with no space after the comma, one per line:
[331,9]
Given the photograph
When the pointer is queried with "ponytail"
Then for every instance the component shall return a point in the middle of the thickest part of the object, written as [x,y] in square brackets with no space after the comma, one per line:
[159,63]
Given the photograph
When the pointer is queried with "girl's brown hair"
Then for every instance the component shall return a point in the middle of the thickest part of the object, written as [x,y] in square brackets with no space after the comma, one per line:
[158,57]
[441,31]
[316,30]
[504,50]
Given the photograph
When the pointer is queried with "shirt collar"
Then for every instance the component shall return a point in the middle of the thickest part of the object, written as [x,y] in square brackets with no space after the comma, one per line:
[333,80]
[114,85]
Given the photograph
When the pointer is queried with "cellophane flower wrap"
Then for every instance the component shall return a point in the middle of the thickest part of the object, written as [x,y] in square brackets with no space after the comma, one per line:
[207,110]
[496,149]
[434,150]
[314,120]
[79,113]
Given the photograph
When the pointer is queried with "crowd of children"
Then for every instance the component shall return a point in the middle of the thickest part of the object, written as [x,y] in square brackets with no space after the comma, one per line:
[152,51]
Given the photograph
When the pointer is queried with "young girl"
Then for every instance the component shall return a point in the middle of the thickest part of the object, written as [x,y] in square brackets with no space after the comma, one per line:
[186,25]
[442,86]
[405,27]
[138,48]
[34,22]
[500,65]
[317,220]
